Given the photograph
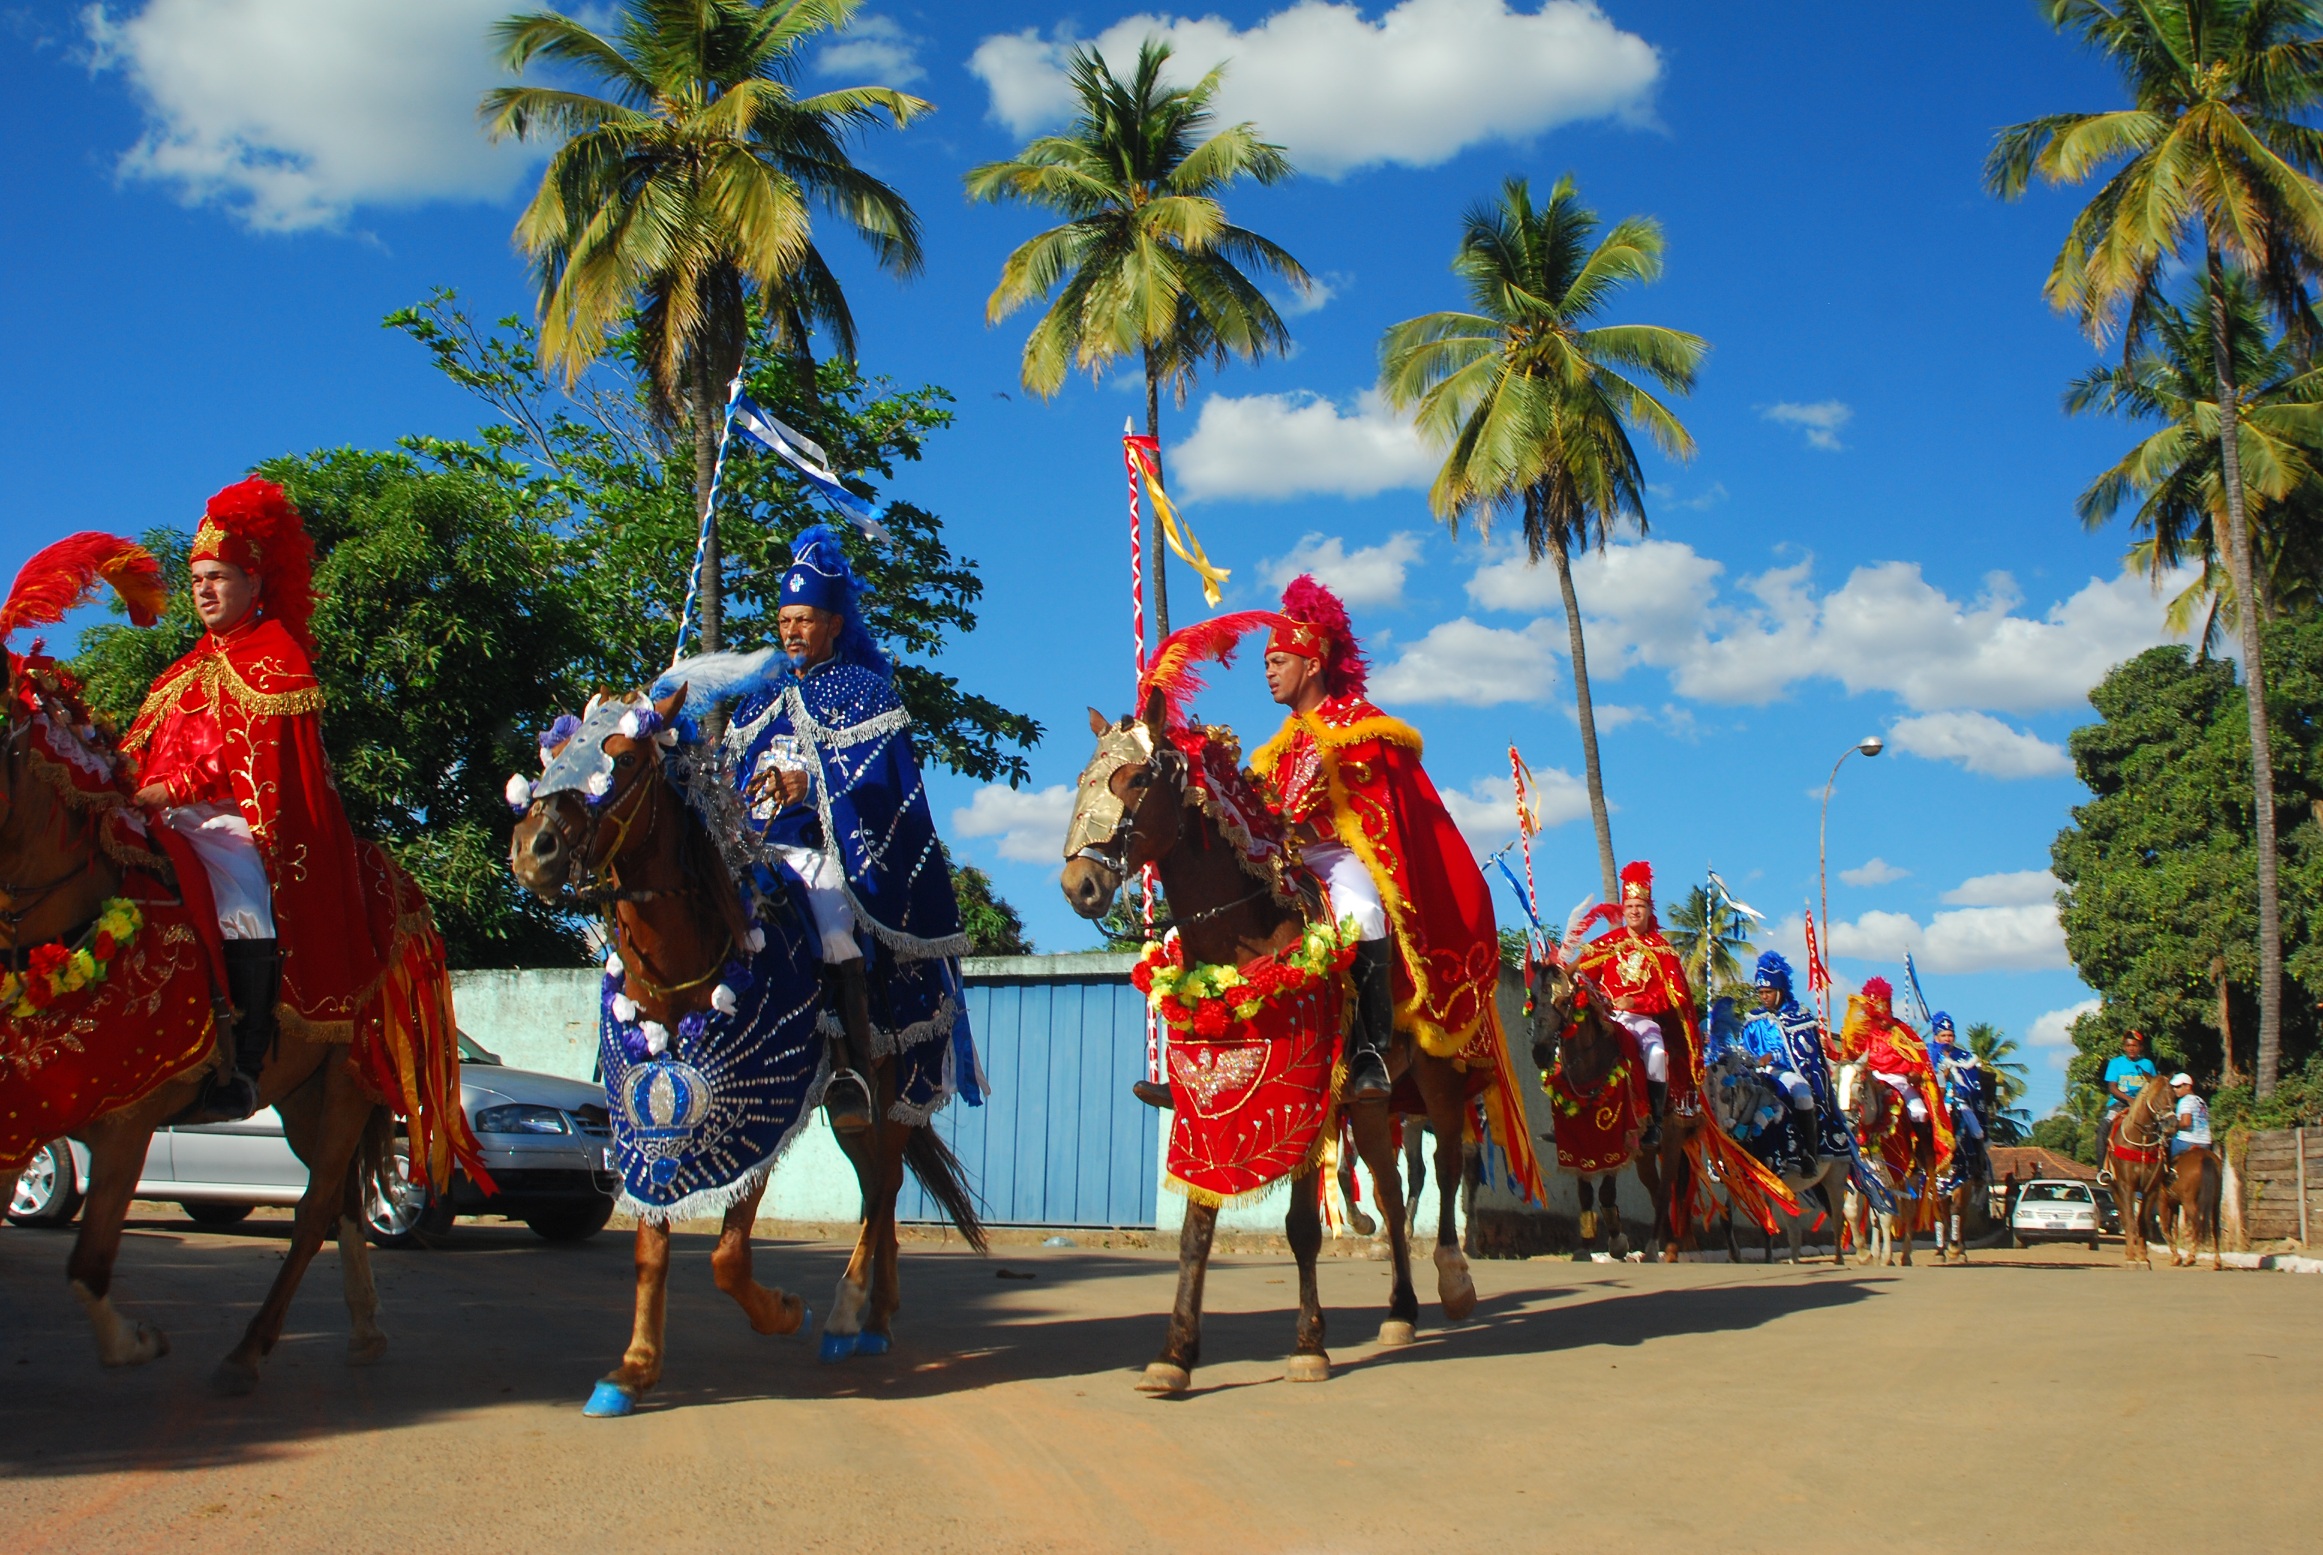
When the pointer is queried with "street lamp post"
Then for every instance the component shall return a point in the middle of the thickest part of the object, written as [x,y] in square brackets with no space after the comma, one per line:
[1869,745]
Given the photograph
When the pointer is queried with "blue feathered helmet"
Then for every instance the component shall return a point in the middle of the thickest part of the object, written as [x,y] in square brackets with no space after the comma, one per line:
[1942,1022]
[819,575]
[1773,972]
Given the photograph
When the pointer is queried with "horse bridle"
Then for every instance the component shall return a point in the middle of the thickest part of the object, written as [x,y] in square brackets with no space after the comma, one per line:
[1166,763]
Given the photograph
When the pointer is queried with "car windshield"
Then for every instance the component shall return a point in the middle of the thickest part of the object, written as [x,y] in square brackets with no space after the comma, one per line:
[471,1052]
[2055,1193]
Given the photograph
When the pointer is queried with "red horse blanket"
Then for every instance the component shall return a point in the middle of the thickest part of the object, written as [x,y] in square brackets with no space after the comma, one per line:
[1597,1130]
[1251,1107]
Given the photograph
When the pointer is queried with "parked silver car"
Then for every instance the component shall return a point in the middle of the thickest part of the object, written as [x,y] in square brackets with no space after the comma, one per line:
[545,1141]
[2056,1210]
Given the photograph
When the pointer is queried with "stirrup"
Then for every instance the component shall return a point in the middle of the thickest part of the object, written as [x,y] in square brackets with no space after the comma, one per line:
[1367,1078]
[847,1119]
[229,1098]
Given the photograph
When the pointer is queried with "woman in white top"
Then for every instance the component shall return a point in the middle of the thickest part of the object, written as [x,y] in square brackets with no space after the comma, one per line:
[2193,1117]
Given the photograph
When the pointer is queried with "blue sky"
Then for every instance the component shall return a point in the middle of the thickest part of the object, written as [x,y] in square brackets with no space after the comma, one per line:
[222,197]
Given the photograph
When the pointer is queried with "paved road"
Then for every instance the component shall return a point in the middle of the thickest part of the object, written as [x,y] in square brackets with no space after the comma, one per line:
[2072,1404]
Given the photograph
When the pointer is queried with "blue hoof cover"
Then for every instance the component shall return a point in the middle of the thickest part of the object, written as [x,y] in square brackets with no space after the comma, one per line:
[610,1401]
[873,1344]
[837,1347]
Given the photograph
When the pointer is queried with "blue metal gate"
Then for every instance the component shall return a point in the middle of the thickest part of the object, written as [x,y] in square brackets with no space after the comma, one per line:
[1060,1141]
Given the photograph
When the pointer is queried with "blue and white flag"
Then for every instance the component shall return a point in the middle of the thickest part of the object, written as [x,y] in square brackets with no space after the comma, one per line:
[1912,981]
[1740,906]
[806,456]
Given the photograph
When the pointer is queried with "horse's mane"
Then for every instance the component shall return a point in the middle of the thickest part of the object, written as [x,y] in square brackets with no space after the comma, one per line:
[1221,789]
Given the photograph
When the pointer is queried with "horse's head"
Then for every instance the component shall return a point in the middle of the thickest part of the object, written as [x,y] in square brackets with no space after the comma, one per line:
[579,824]
[1570,1020]
[1863,1101]
[1126,808]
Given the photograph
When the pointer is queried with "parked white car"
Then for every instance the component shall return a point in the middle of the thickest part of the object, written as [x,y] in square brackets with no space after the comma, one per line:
[2055,1209]
[545,1140]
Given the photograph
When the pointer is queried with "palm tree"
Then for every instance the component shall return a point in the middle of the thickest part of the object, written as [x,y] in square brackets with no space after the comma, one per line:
[1535,404]
[1711,939]
[2173,474]
[2216,169]
[1145,262]
[1997,1051]
[683,196]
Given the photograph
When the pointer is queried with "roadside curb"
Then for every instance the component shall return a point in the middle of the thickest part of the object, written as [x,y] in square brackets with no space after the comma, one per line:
[2286,1263]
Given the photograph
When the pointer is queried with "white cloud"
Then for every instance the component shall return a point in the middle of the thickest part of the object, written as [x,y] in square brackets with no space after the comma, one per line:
[1030,823]
[2015,888]
[874,51]
[1274,446]
[2024,938]
[1876,871]
[1476,666]
[2055,1029]
[1821,421]
[1340,91]
[1322,291]
[291,113]
[1369,575]
[1982,744]
[1659,603]
[1486,811]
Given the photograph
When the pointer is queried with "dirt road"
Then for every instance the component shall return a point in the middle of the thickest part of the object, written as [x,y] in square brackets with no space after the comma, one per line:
[2067,1403]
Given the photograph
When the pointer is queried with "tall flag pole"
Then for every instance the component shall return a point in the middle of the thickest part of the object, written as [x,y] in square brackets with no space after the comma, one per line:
[1818,976]
[1129,461]
[709,516]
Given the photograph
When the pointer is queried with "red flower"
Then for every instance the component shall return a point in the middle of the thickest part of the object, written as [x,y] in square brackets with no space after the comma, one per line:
[47,960]
[1173,1010]
[1141,977]
[1175,949]
[1210,1019]
[102,946]
[38,991]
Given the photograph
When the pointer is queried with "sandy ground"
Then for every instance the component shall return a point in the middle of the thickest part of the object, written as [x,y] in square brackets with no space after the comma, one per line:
[2049,1400]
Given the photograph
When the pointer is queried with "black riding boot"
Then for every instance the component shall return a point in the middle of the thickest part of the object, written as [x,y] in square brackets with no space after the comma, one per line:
[254,983]
[1154,1093]
[1374,1024]
[1800,1127]
[847,1097]
[1657,1095]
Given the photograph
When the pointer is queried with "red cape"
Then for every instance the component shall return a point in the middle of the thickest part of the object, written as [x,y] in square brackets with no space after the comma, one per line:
[237,720]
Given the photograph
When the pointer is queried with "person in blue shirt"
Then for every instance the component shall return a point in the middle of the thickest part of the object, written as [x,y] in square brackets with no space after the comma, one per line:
[1961,1077]
[2126,1074]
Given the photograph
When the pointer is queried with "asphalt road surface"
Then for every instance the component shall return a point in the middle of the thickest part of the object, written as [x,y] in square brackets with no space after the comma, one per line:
[2049,1400]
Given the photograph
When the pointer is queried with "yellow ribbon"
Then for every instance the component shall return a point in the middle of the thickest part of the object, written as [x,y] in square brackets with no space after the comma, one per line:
[1180,536]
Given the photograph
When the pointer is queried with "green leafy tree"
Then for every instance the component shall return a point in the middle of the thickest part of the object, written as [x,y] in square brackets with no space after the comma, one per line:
[993,927]
[1712,940]
[2213,167]
[1998,1051]
[1145,263]
[2171,476]
[684,195]
[1534,401]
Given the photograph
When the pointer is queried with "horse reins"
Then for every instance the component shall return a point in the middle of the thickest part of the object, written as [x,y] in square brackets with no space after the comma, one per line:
[640,801]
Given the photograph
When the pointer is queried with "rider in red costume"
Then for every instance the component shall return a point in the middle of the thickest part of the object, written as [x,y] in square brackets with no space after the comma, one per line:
[1638,972]
[228,746]
[1895,1055]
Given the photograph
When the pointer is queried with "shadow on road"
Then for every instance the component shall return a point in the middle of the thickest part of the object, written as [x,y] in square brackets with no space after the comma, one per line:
[497,1317]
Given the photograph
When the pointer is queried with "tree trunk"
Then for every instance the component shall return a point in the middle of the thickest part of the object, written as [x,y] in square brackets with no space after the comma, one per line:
[707,416]
[1597,811]
[1156,553]
[2230,1073]
[2262,765]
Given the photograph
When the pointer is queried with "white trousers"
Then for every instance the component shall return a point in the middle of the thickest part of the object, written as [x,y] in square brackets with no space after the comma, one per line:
[827,901]
[1794,1085]
[1649,1040]
[221,839]
[1908,1093]
[1354,894]
[1969,1123]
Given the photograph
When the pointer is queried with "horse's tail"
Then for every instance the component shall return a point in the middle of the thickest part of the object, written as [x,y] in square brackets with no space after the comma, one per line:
[374,1170]
[938,1171]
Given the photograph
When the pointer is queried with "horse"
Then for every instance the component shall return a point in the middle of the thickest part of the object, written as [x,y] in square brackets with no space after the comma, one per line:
[642,854]
[1968,1178]
[2188,1205]
[1733,1086]
[1873,1113]
[2141,1157]
[1226,911]
[1590,1056]
[92,847]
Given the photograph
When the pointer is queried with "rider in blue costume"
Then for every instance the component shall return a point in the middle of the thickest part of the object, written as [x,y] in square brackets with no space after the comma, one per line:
[1787,1044]
[823,750]
[1966,1088]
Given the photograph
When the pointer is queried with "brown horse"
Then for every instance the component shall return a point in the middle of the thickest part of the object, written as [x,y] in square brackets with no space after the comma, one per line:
[339,1127]
[2141,1159]
[1872,1111]
[675,915]
[1225,912]
[2187,1207]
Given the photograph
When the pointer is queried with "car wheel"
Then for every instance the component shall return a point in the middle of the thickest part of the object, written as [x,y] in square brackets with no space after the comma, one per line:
[48,1191]
[411,1214]
[571,1222]
[212,1212]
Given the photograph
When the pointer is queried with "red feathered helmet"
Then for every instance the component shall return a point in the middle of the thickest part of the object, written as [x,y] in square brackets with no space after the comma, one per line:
[1879,991]
[1317,628]
[251,525]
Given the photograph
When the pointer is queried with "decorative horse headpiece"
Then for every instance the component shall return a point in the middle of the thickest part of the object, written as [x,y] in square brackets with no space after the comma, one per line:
[572,753]
[1098,811]
[251,525]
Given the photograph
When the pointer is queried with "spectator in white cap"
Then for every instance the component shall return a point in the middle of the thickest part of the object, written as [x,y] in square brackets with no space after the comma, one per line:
[2193,1117]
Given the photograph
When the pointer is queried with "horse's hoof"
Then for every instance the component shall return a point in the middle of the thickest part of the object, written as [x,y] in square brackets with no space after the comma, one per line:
[610,1401]
[367,1352]
[1395,1335]
[234,1379]
[873,1344]
[1308,1368]
[1162,1377]
[837,1347]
